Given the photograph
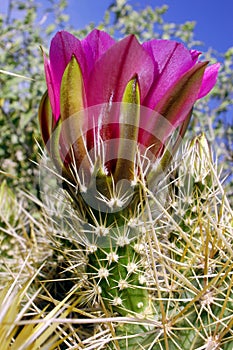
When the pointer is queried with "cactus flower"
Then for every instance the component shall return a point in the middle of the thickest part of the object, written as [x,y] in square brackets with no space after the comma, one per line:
[108,120]
[91,84]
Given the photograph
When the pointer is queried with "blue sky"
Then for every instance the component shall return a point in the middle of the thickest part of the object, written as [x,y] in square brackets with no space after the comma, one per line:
[214,17]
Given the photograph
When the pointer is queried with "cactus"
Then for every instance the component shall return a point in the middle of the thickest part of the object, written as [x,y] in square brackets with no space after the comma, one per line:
[145,238]
[159,277]
[165,282]
[203,252]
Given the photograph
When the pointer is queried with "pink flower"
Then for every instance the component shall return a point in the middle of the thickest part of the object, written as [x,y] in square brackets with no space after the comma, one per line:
[91,80]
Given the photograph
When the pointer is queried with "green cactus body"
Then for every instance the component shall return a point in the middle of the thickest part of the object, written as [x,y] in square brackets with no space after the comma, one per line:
[115,266]
[118,275]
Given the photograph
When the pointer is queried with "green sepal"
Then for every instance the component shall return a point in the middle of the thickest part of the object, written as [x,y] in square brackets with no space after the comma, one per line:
[72,90]
[46,119]
[56,148]
[132,92]
[72,104]
[129,127]
[172,103]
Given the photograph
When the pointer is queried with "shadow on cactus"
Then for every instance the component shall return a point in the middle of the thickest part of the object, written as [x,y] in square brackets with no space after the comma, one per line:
[146,237]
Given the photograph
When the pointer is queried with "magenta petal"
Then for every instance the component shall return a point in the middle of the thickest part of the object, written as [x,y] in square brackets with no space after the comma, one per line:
[173,109]
[52,92]
[195,54]
[108,81]
[209,79]
[180,98]
[63,46]
[95,45]
[172,60]
[116,67]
